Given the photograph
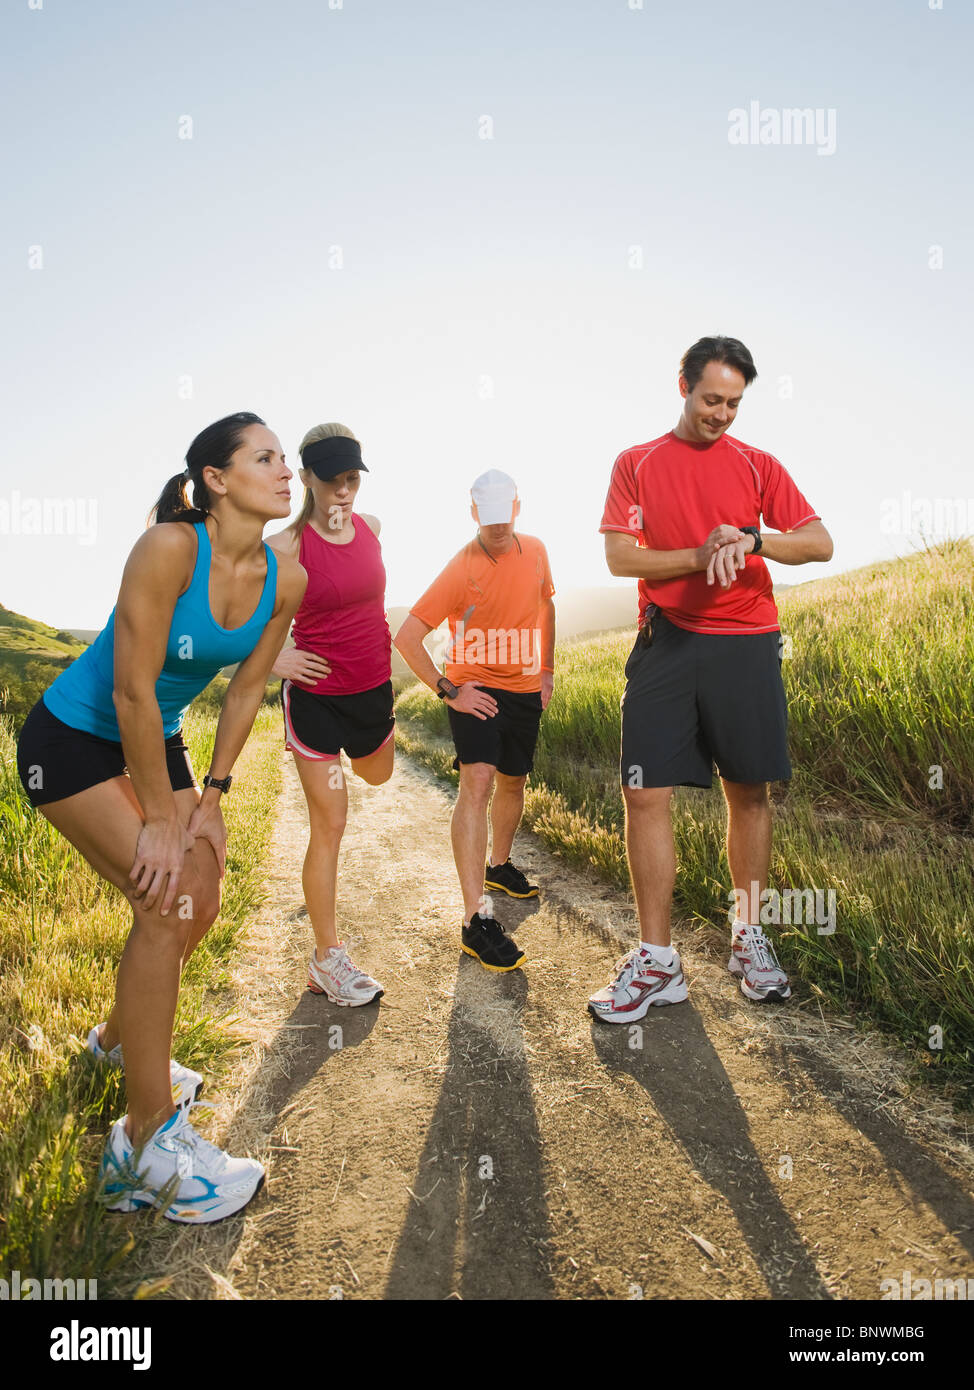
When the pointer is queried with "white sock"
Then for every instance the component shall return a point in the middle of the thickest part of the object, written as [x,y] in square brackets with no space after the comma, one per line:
[664,954]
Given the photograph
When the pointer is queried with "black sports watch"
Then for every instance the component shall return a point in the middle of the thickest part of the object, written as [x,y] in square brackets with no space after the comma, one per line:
[753,531]
[445,689]
[222,784]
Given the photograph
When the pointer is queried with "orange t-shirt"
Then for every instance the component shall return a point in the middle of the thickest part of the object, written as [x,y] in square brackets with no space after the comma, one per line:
[493,608]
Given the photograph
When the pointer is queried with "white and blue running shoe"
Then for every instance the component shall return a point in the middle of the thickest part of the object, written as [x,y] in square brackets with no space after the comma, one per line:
[178,1171]
[186,1083]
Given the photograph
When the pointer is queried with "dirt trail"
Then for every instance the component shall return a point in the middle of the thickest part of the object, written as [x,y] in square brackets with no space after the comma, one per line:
[480,1136]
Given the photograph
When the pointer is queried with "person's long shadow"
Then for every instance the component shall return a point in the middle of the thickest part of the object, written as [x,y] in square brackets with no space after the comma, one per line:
[323,1030]
[478,1194]
[285,1070]
[926,1178]
[681,1072]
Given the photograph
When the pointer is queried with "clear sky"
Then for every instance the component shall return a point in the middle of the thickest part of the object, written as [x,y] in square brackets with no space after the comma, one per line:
[489,308]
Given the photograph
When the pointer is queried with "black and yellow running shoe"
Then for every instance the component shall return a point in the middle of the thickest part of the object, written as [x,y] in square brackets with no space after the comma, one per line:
[509,880]
[489,943]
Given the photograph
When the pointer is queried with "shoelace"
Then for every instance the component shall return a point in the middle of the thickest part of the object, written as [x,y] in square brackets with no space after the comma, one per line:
[193,1140]
[490,925]
[764,957]
[625,968]
[345,971]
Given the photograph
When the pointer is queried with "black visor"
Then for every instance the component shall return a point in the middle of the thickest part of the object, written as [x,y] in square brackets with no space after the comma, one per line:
[328,457]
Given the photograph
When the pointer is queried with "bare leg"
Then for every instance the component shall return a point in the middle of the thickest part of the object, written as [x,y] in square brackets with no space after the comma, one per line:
[748,844]
[468,831]
[652,859]
[327,795]
[377,767]
[506,810]
[104,823]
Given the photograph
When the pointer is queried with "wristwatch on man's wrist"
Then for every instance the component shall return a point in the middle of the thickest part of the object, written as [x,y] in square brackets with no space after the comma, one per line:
[445,689]
[753,531]
[222,784]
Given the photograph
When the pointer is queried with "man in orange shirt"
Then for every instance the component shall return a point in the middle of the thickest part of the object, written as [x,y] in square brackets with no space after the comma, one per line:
[496,594]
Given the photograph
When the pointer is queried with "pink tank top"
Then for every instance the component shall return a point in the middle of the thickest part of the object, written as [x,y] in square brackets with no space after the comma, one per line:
[342,615]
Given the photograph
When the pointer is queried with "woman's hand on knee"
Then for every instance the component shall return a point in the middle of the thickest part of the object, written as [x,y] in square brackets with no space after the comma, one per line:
[206,823]
[159,855]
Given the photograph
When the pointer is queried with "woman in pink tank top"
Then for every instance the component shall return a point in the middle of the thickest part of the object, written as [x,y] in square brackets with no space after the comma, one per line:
[337,687]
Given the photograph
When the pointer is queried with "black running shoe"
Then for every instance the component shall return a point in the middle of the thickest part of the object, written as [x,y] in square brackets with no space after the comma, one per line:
[490,944]
[509,880]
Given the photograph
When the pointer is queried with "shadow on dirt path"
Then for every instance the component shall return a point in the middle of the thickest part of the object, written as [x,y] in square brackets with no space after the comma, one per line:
[478,1136]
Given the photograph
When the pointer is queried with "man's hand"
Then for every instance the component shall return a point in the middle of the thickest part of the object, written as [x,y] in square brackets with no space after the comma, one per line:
[547,686]
[474,700]
[725,562]
[159,854]
[720,536]
[206,823]
[303,668]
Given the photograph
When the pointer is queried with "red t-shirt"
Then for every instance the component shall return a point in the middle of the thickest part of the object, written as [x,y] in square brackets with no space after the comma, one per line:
[670,494]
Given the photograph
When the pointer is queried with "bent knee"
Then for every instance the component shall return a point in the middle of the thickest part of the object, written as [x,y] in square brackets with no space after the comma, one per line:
[375,776]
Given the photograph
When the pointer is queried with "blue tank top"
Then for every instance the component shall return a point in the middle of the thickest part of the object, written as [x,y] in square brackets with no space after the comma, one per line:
[196,650]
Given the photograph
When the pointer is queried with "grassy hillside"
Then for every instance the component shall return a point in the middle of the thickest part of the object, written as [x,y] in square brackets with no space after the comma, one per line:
[878,671]
[23,640]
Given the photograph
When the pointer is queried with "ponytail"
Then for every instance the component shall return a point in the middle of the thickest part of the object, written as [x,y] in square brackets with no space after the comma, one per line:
[173,505]
[213,447]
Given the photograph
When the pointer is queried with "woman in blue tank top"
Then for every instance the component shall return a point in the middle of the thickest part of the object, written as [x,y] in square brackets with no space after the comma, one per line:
[102,756]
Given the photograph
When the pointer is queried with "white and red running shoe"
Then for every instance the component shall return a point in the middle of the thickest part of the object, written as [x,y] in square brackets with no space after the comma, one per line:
[640,982]
[753,959]
[340,980]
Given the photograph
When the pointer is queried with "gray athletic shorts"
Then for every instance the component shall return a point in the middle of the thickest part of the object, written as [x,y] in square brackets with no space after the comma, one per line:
[693,699]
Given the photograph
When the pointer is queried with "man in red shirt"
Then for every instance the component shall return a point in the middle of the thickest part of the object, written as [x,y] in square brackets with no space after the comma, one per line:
[703,681]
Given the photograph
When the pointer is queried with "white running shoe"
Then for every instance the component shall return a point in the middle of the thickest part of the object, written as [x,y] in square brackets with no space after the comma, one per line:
[186,1083]
[753,959]
[640,982]
[340,980]
[179,1171]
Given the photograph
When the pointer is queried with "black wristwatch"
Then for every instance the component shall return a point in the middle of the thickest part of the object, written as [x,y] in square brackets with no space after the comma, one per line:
[445,689]
[753,531]
[222,784]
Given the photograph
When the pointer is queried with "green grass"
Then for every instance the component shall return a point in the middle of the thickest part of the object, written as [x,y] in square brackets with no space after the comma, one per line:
[62,930]
[878,672]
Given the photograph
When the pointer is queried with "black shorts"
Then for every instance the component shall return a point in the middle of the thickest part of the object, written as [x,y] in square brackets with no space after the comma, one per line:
[318,727]
[693,699]
[506,740]
[55,761]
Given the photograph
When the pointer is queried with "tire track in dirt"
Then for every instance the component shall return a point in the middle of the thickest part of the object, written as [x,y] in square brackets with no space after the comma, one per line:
[480,1136]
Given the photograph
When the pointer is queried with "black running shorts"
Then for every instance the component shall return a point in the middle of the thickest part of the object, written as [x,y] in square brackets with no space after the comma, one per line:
[318,727]
[55,761]
[506,740]
[693,699]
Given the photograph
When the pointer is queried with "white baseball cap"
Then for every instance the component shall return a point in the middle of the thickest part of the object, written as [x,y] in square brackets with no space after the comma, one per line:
[494,494]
